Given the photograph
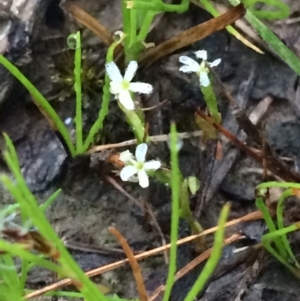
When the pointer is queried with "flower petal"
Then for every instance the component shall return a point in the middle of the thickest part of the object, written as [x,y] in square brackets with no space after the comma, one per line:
[127,172]
[140,152]
[116,87]
[192,64]
[113,72]
[125,156]
[152,165]
[143,179]
[141,88]
[134,179]
[215,63]
[201,54]
[130,71]
[126,100]
[186,69]
[204,79]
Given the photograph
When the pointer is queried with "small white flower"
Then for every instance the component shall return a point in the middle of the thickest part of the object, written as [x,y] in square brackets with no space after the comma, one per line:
[202,71]
[122,86]
[137,167]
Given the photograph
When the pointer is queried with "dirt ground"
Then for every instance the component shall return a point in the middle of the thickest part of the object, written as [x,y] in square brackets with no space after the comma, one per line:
[261,84]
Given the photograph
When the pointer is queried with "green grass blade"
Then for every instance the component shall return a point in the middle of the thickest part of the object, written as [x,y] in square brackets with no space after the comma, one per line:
[160,6]
[279,212]
[271,184]
[211,102]
[270,224]
[50,200]
[214,258]
[98,125]
[175,186]
[77,88]
[41,100]
[268,238]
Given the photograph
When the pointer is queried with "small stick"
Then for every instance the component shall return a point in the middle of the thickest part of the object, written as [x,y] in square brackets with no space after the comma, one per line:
[89,22]
[158,138]
[192,35]
[136,270]
[155,106]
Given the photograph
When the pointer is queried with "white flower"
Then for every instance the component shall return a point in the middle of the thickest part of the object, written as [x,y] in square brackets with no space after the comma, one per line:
[122,86]
[202,71]
[137,167]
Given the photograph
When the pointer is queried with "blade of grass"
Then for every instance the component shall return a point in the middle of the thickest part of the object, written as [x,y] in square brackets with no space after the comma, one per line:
[260,204]
[98,125]
[159,6]
[41,100]
[268,238]
[279,212]
[175,186]
[214,258]
[77,88]
[50,200]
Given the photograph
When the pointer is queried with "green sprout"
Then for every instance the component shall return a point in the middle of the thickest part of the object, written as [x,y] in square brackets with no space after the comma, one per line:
[282,251]
[137,19]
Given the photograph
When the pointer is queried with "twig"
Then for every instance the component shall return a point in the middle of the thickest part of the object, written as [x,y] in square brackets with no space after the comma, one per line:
[89,22]
[192,35]
[158,138]
[156,106]
[136,270]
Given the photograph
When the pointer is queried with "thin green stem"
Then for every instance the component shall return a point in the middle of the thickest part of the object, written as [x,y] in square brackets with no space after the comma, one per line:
[270,224]
[50,199]
[268,238]
[133,27]
[146,26]
[98,125]
[41,100]
[135,123]
[175,186]
[282,11]
[126,28]
[24,272]
[77,88]
[211,102]
[287,193]
[272,184]
[160,6]
[214,258]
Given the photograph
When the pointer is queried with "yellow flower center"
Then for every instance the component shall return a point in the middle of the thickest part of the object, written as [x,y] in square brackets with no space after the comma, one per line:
[139,165]
[125,84]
